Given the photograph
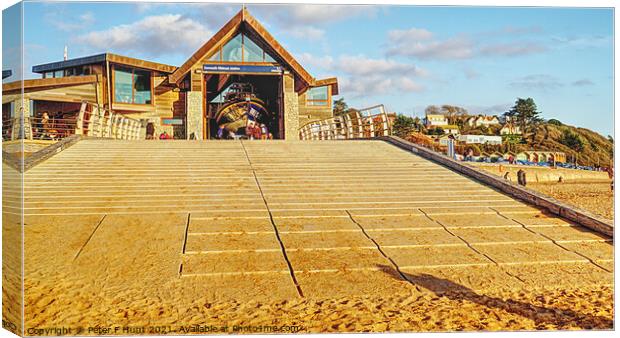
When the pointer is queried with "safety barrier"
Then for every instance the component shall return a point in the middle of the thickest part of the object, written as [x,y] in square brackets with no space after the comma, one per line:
[92,120]
[348,126]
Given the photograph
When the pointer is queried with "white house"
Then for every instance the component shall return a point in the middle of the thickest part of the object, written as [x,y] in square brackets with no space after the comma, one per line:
[435,120]
[481,139]
[510,129]
[483,120]
[450,129]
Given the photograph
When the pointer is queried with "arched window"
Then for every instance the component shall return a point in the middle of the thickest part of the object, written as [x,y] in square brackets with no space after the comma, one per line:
[241,49]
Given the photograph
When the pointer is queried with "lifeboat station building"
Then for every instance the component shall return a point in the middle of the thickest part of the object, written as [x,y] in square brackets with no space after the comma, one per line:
[240,79]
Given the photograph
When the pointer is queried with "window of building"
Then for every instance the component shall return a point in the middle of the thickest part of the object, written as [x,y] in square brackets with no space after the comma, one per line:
[251,51]
[59,73]
[241,49]
[233,50]
[317,96]
[132,86]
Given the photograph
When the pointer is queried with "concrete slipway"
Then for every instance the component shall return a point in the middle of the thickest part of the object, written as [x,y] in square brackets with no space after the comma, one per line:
[132,224]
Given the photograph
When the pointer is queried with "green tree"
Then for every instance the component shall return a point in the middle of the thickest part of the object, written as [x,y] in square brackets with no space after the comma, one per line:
[431,110]
[340,107]
[555,122]
[403,125]
[435,131]
[452,112]
[525,114]
[572,140]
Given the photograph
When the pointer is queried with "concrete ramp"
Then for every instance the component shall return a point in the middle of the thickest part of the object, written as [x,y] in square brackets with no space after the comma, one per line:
[279,220]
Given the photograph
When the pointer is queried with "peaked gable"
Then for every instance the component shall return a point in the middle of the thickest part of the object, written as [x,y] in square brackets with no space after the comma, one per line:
[243,19]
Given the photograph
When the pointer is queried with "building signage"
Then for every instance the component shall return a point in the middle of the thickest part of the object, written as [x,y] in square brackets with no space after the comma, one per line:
[240,68]
[171,122]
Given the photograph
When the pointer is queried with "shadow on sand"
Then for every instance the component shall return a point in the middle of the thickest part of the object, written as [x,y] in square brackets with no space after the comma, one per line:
[542,316]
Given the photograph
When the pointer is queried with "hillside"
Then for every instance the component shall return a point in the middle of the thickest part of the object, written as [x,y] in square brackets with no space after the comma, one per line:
[590,148]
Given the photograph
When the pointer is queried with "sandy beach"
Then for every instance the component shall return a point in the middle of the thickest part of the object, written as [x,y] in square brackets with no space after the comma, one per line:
[595,197]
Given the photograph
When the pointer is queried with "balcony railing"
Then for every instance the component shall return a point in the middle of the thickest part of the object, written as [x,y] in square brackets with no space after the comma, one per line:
[349,126]
[91,120]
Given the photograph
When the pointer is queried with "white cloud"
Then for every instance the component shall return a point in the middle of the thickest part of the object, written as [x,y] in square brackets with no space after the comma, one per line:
[582,83]
[325,62]
[306,32]
[416,42]
[360,76]
[307,14]
[306,21]
[514,48]
[412,33]
[60,21]
[422,44]
[363,66]
[537,82]
[154,35]
[496,109]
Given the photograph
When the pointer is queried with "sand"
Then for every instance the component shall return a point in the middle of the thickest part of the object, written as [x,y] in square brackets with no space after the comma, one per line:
[589,190]
[295,234]
[595,197]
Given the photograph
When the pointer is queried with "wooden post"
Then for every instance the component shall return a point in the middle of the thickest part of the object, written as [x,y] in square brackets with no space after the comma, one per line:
[79,124]
[386,124]
[360,125]
[92,122]
[108,125]
[101,123]
[372,127]
[113,125]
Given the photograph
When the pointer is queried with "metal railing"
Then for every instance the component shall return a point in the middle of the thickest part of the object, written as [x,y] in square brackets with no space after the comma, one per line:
[349,126]
[91,120]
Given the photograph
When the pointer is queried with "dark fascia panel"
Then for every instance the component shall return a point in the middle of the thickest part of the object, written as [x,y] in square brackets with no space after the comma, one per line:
[6,73]
[48,67]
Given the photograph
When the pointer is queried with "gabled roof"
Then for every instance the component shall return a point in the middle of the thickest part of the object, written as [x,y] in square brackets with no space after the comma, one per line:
[243,17]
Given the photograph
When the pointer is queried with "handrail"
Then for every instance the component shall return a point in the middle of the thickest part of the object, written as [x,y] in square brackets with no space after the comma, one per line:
[92,120]
[349,126]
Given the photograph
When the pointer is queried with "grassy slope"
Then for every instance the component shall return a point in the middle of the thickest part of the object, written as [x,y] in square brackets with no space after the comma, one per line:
[597,148]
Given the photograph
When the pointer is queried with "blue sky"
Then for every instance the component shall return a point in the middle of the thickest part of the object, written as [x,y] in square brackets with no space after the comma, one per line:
[406,57]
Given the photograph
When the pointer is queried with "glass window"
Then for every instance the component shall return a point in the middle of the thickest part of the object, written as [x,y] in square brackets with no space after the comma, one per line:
[241,49]
[317,93]
[317,96]
[251,51]
[232,51]
[48,75]
[142,86]
[132,86]
[216,56]
[268,58]
[59,73]
[123,91]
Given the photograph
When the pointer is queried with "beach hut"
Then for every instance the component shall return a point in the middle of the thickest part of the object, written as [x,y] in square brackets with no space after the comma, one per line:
[522,156]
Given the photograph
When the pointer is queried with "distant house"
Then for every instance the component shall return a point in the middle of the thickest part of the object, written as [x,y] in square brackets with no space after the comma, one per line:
[510,129]
[482,120]
[435,120]
[481,139]
[450,129]
[522,156]
[443,139]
